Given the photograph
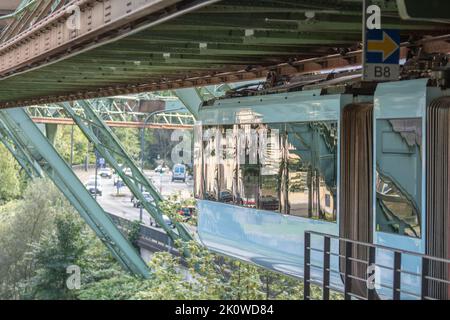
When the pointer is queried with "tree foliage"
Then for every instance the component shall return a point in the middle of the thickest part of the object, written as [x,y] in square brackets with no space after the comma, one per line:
[22,223]
[63,144]
[129,138]
[10,186]
[41,235]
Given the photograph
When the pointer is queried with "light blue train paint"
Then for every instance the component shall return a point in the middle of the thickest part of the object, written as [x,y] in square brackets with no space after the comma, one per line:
[276,241]
[299,106]
[269,239]
[400,100]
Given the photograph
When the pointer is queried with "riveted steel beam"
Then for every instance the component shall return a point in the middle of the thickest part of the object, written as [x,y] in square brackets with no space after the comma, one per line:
[28,164]
[197,43]
[94,22]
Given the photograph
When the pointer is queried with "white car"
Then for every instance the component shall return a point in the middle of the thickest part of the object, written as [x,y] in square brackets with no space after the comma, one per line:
[160,169]
[91,187]
[105,173]
[166,219]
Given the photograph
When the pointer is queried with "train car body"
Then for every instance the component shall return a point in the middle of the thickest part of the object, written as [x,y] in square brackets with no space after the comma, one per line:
[400,170]
[268,168]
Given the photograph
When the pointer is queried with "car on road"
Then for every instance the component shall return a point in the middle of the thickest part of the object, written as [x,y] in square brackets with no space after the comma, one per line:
[167,221]
[226,196]
[160,169]
[186,212]
[105,173]
[127,171]
[94,188]
[179,172]
[147,196]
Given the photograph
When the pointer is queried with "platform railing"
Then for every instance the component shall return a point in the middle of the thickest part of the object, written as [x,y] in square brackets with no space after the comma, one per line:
[428,282]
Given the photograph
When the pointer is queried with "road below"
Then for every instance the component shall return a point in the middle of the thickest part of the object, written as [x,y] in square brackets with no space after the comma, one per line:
[119,202]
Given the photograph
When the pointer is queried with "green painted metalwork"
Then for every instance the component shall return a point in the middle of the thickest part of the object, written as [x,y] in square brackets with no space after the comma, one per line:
[16,125]
[223,37]
[119,110]
[24,5]
[51,131]
[191,98]
[107,144]
[29,165]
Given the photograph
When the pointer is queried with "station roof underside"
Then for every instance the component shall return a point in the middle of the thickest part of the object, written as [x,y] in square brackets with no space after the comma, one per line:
[227,41]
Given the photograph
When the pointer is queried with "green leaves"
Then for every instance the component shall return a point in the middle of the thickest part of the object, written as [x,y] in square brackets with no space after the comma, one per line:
[10,180]
[41,235]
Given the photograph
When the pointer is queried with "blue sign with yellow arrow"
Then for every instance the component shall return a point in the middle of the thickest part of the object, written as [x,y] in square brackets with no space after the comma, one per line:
[383,46]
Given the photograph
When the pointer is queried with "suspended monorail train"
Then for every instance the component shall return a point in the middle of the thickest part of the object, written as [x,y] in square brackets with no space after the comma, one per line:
[368,166]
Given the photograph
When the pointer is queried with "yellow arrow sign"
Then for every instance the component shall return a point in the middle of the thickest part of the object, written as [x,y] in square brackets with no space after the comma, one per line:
[387,46]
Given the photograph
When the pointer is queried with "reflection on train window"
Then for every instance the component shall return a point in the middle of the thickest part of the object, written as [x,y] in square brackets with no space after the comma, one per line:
[248,171]
[210,163]
[299,138]
[312,161]
[227,163]
[270,158]
[398,178]
[198,161]
[289,168]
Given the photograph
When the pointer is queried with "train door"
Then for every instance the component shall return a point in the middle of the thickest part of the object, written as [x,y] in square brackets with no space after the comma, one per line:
[438,193]
[355,214]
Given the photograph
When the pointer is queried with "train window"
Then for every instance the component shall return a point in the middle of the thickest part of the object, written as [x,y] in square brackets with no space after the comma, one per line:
[270,158]
[289,168]
[299,137]
[210,163]
[198,161]
[399,176]
[227,163]
[248,166]
[312,166]
[327,141]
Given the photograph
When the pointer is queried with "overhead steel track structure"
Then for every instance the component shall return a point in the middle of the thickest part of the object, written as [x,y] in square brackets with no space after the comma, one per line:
[117,117]
[36,154]
[109,146]
[26,13]
[138,46]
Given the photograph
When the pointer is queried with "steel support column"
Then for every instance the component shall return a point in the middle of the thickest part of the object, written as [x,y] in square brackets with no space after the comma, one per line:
[39,151]
[191,98]
[28,164]
[108,145]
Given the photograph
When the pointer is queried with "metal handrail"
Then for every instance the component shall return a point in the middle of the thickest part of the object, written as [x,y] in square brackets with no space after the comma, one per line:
[378,246]
[347,276]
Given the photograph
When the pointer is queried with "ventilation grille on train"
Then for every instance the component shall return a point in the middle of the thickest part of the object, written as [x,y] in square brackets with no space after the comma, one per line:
[438,192]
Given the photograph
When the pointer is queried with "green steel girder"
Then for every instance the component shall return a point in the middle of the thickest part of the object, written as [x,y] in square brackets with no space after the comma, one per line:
[41,155]
[237,34]
[115,111]
[191,98]
[51,130]
[28,164]
[107,144]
